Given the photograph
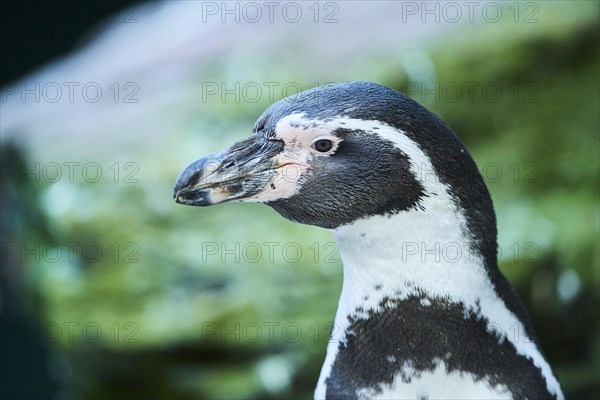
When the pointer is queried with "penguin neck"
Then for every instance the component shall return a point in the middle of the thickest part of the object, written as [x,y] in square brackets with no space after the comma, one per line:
[425,251]
[407,262]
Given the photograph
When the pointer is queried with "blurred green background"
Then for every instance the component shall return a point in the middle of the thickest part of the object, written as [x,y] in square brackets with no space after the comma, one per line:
[157,300]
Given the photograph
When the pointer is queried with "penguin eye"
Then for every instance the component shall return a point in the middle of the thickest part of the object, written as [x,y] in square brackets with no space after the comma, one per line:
[322,145]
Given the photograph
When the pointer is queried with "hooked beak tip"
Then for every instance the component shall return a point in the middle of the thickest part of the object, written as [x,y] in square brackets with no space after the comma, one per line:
[186,190]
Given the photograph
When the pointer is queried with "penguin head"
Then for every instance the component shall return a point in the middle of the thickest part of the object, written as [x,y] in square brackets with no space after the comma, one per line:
[332,155]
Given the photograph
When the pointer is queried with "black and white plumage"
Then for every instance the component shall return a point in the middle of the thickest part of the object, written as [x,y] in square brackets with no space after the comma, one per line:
[424,310]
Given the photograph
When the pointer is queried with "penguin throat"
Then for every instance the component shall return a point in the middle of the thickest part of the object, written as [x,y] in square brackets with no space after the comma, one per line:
[416,262]
[424,254]
[418,252]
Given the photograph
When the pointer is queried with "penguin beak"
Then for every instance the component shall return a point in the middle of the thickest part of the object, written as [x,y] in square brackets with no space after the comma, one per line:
[237,173]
